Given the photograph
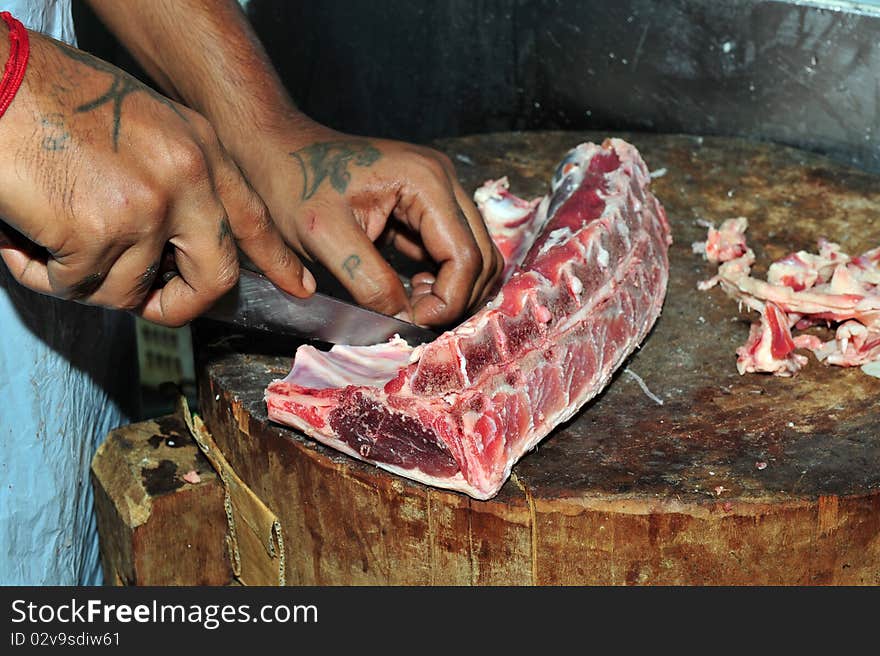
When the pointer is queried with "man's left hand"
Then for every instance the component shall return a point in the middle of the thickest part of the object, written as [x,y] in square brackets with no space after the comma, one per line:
[333,196]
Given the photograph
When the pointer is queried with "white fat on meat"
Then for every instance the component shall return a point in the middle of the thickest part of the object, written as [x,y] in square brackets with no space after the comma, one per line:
[500,208]
[770,347]
[802,270]
[370,366]
[556,237]
[726,243]
[853,345]
[512,221]
[802,290]
[603,257]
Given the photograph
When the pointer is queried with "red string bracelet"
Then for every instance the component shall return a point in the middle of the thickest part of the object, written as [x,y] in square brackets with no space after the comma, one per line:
[13,73]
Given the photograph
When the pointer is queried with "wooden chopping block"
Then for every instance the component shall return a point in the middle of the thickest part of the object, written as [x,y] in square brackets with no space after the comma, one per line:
[155,528]
[733,480]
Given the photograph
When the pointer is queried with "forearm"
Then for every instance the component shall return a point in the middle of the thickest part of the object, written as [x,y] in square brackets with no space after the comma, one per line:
[206,53]
[331,195]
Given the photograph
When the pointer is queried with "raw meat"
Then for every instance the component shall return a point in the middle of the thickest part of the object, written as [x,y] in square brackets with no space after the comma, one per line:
[725,244]
[802,290]
[587,268]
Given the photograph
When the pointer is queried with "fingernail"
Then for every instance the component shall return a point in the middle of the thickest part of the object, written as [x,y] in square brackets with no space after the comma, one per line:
[423,279]
[308,281]
[404,315]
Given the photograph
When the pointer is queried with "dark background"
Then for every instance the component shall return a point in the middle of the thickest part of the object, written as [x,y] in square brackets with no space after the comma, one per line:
[801,75]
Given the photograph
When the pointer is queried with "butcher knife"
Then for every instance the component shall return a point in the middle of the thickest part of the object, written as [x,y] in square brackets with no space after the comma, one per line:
[258,304]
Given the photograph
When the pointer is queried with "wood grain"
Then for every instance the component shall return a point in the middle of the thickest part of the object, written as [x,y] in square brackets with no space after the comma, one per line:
[155,528]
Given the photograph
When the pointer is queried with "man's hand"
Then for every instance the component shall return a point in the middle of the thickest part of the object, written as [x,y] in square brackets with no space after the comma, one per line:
[333,195]
[101,175]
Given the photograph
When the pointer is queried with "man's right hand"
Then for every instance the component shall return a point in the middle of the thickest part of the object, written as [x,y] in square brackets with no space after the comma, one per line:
[103,175]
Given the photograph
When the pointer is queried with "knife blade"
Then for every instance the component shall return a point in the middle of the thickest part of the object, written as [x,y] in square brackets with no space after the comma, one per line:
[258,304]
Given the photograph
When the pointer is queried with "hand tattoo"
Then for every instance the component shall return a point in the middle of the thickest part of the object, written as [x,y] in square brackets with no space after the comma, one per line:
[86,287]
[55,136]
[331,158]
[225,231]
[121,85]
[145,282]
[351,263]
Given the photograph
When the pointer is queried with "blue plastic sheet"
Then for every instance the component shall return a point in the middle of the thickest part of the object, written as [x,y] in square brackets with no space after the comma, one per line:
[67,376]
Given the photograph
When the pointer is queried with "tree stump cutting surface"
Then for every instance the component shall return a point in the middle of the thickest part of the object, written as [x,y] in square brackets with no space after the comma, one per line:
[628,491]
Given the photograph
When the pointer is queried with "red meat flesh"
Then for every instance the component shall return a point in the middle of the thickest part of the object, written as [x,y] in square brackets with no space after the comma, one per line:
[459,412]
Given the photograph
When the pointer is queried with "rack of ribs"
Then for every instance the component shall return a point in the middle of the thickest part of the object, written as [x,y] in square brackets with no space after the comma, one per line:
[586,276]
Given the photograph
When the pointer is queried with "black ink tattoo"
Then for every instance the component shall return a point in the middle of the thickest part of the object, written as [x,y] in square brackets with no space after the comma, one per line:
[86,287]
[59,90]
[55,136]
[351,263]
[331,159]
[121,86]
[146,280]
[225,231]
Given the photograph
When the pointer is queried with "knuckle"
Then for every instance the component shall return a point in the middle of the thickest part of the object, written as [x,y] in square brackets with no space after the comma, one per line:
[98,231]
[444,160]
[375,299]
[153,202]
[86,288]
[202,128]
[101,234]
[137,199]
[227,273]
[257,222]
[140,208]
[432,167]
[379,294]
[188,160]
[316,222]
[471,258]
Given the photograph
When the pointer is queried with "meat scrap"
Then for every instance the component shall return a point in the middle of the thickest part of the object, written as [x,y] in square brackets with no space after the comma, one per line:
[725,244]
[802,290]
[586,275]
